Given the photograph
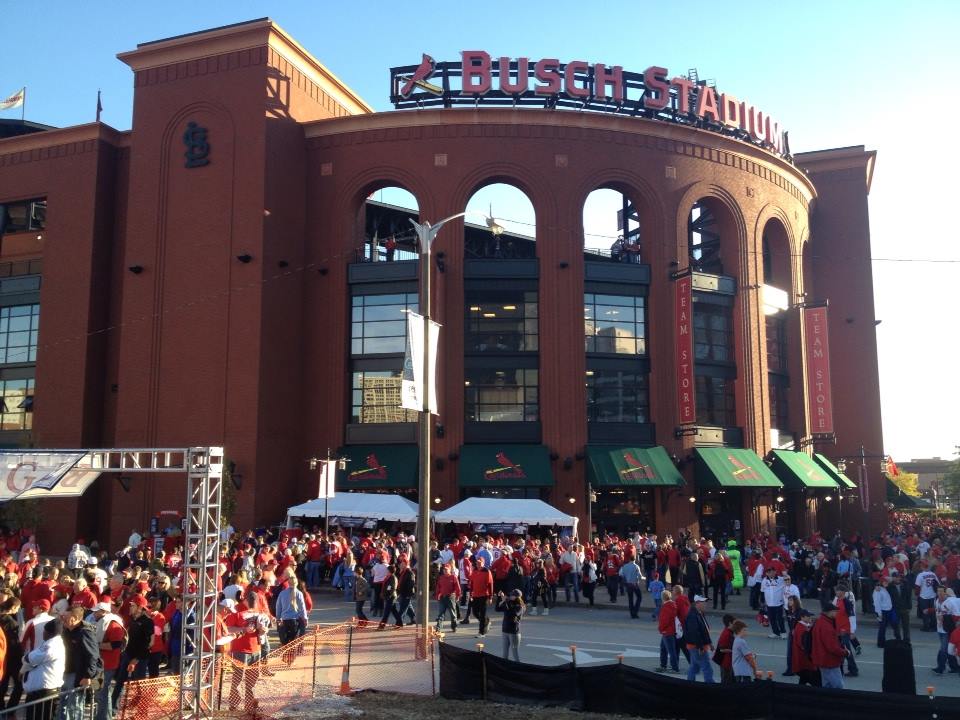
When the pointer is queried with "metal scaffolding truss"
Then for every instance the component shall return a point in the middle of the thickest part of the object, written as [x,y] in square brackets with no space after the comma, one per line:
[203,467]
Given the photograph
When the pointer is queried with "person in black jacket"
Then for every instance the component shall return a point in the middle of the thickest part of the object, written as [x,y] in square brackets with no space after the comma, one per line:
[83,664]
[14,657]
[696,636]
[133,661]
[406,589]
[694,578]
[512,608]
[901,597]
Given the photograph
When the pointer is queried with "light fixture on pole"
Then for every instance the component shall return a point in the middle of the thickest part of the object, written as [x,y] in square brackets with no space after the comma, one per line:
[426,233]
[328,481]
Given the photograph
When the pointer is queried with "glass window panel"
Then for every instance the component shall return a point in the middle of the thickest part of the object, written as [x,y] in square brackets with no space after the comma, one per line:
[356,347]
[504,395]
[356,314]
[19,323]
[613,323]
[384,329]
[369,300]
[500,322]
[384,312]
[20,310]
[376,398]
[379,346]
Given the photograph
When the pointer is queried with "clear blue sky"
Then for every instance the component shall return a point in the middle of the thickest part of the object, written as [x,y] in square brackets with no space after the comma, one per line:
[877,73]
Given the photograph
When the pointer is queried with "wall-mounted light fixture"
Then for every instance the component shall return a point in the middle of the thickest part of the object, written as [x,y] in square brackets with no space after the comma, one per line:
[136,269]
[245,258]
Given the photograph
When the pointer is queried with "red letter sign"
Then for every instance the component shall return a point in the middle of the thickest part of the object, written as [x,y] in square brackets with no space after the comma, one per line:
[476,72]
[817,346]
[683,309]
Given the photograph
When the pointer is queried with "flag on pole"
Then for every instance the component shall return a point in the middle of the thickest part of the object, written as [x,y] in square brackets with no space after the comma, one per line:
[99,106]
[15,100]
[890,467]
[328,479]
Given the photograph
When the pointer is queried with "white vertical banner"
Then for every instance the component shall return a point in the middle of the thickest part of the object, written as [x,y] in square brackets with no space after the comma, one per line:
[328,478]
[411,386]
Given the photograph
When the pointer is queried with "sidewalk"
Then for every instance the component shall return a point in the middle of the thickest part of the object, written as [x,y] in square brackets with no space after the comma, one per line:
[738,605]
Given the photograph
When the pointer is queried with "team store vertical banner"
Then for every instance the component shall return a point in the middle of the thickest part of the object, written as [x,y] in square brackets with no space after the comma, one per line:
[683,312]
[817,342]
[328,479]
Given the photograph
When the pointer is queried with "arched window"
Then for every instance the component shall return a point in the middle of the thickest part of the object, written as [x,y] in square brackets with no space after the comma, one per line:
[703,238]
[501,320]
[611,227]
[387,232]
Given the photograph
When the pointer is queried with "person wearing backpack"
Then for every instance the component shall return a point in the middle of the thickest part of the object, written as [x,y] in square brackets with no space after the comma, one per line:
[723,654]
[802,656]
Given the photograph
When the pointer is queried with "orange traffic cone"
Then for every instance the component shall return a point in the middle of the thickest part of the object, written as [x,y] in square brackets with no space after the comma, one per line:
[345,682]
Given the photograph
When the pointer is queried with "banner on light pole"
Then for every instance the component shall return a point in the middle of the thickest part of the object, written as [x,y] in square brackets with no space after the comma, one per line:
[328,479]
[411,386]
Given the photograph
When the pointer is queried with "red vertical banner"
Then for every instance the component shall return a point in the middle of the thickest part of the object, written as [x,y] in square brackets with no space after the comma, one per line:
[817,347]
[683,314]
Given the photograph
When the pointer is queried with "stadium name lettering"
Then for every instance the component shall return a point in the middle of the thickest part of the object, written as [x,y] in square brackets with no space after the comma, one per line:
[591,86]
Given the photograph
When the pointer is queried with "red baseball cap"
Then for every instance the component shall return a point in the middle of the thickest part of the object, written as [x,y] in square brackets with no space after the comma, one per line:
[138,600]
[43,603]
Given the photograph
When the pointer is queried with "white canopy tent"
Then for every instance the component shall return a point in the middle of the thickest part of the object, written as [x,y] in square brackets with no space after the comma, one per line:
[501,511]
[365,506]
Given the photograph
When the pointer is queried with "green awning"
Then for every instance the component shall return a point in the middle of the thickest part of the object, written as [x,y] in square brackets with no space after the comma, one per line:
[504,466]
[798,470]
[378,466]
[732,468]
[901,500]
[609,466]
[842,480]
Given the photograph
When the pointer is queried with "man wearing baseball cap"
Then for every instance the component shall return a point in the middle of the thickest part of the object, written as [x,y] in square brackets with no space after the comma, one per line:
[32,634]
[133,660]
[696,635]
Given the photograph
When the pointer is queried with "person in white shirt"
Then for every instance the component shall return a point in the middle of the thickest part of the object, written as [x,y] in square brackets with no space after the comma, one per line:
[945,625]
[32,635]
[45,666]
[927,582]
[446,555]
[573,559]
[77,559]
[789,590]
[883,606]
[771,587]
[134,540]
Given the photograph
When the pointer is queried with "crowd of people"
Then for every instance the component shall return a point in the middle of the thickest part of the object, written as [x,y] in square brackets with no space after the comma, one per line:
[92,621]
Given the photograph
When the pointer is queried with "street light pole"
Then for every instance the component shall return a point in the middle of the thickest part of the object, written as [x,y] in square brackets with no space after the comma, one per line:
[426,233]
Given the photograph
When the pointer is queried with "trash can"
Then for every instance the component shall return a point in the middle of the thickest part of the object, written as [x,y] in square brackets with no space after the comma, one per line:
[898,671]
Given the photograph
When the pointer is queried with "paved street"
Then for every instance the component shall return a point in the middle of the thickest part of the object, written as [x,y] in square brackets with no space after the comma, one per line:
[604,632]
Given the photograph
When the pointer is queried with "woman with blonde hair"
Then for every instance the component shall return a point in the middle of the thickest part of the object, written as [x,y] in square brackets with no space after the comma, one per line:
[291,611]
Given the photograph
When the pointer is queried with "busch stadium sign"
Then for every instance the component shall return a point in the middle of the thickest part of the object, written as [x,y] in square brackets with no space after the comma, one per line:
[480,79]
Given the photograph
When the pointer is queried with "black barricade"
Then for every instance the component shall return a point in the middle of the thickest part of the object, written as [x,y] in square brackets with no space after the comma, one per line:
[468,675]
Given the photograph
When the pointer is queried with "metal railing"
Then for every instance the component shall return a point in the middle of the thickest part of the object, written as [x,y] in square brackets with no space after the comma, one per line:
[87,702]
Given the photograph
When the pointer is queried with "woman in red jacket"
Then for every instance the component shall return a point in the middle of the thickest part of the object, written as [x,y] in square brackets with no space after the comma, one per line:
[667,625]
[801,662]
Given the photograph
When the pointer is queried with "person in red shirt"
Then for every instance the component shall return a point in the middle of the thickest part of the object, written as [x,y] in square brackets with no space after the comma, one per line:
[245,649]
[673,564]
[447,593]
[723,655]
[481,594]
[801,661]
[83,595]
[158,646]
[30,592]
[667,625]
[111,638]
[683,609]
[500,568]
[828,653]
[611,571]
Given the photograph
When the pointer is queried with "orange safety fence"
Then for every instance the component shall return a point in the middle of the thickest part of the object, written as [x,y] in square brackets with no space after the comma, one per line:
[327,660]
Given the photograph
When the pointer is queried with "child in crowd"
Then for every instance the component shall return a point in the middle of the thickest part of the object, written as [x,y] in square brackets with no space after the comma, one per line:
[744,660]
[656,588]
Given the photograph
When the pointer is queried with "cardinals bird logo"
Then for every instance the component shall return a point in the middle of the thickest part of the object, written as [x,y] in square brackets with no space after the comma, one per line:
[743,472]
[508,470]
[637,468]
[373,471]
[419,78]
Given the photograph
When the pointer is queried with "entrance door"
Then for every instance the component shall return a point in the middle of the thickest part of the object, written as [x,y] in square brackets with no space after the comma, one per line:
[624,510]
[720,518]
